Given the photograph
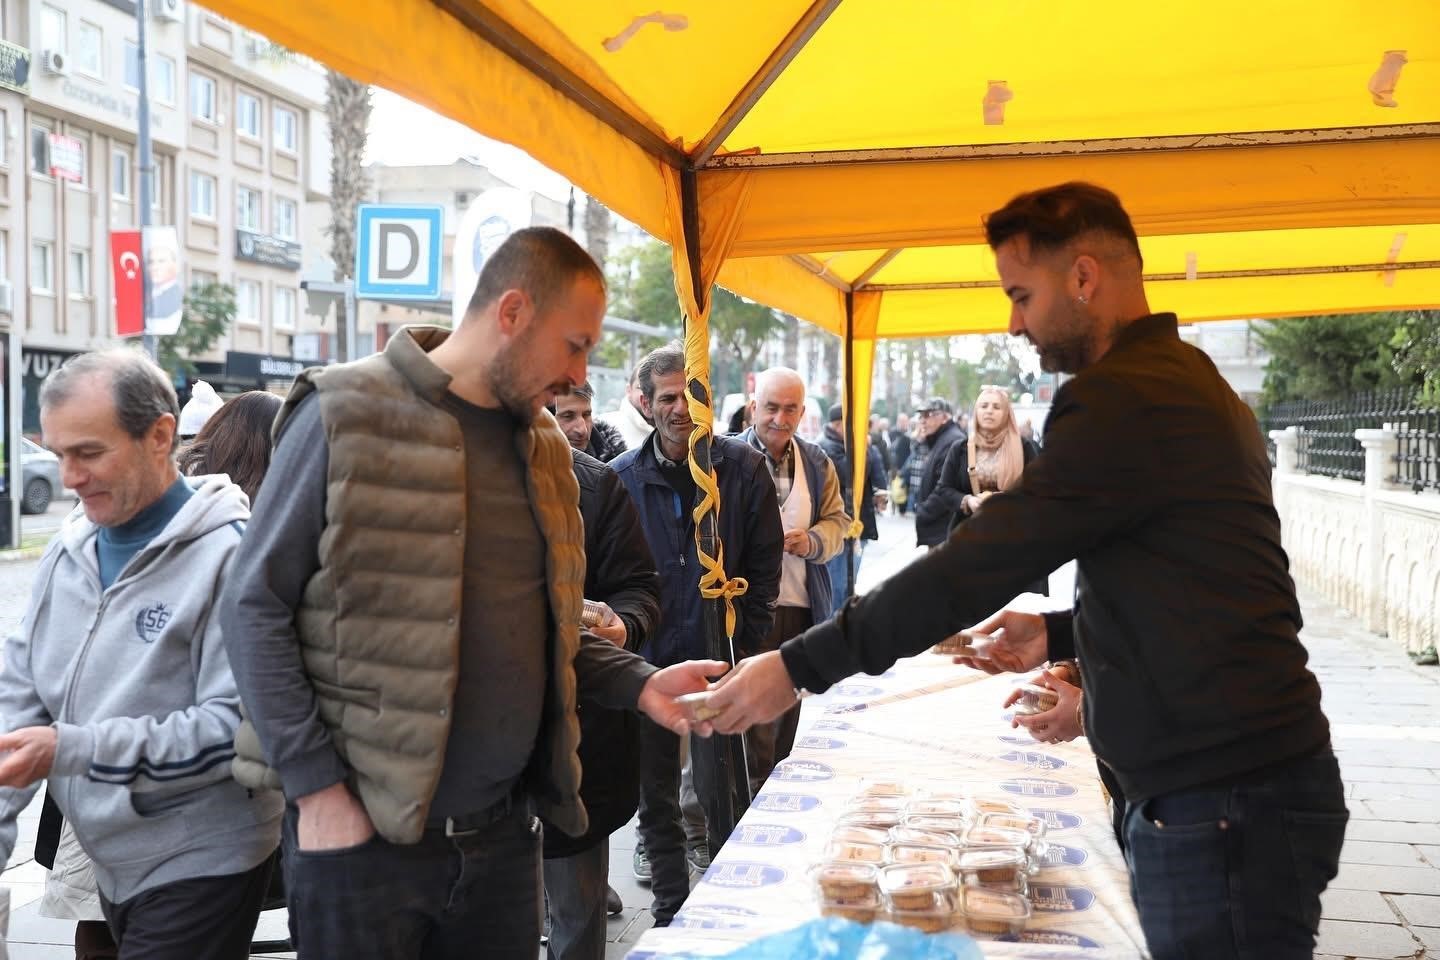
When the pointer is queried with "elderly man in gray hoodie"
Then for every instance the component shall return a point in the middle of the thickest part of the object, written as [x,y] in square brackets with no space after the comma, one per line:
[117,690]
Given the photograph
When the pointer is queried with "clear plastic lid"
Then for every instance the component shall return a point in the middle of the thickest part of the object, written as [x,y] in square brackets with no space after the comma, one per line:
[1034,699]
[938,917]
[855,850]
[970,643]
[941,838]
[923,821]
[932,807]
[877,805]
[858,834]
[919,853]
[917,878]
[1031,825]
[979,806]
[983,836]
[993,864]
[860,911]
[697,706]
[881,819]
[882,787]
[846,880]
[994,911]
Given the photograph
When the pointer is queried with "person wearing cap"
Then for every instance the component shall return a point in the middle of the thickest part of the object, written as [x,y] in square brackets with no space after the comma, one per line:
[938,434]
[872,499]
[201,406]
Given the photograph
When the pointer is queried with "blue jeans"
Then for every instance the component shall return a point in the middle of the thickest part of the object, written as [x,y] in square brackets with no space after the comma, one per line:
[443,898]
[1235,872]
[838,570]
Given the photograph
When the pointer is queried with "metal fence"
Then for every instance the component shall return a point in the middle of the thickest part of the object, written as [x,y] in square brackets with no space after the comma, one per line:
[1327,436]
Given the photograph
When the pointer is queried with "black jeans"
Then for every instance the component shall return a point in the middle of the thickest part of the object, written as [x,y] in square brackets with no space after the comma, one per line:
[207,918]
[660,826]
[576,886]
[444,898]
[1235,872]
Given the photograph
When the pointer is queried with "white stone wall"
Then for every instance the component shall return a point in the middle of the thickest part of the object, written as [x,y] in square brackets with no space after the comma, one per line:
[1368,547]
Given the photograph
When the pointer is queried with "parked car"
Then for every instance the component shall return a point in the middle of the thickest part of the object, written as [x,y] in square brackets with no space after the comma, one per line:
[40,472]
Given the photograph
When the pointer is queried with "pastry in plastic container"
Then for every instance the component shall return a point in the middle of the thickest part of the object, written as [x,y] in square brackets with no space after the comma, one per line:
[931,807]
[1034,699]
[982,836]
[846,881]
[860,911]
[1034,826]
[855,850]
[920,821]
[591,614]
[697,706]
[979,806]
[857,834]
[968,643]
[918,886]
[919,853]
[933,838]
[935,919]
[882,787]
[1000,868]
[994,911]
[877,805]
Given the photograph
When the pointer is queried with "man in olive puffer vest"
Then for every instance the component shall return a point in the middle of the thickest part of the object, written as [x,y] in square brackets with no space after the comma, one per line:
[404,624]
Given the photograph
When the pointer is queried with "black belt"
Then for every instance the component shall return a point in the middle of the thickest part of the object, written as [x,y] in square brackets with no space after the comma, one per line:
[468,823]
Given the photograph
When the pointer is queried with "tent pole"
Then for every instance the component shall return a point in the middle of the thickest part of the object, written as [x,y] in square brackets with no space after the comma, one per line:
[849,426]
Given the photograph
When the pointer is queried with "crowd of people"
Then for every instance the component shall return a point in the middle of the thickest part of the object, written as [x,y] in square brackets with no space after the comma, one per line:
[408,644]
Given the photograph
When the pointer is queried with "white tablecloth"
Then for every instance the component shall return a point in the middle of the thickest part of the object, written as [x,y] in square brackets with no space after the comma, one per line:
[924,719]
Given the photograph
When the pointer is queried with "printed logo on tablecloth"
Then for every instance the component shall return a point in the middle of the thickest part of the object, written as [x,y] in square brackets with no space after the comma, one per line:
[765,834]
[831,725]
[1056,820]
[784,802]
[858,690]
[819,743]
[803,770]
[1019,741]
[743,875]
[1035,787]
[1059,855]
[1033,758]
[1052,938]
[846,708]
[713,916]
[1060,898]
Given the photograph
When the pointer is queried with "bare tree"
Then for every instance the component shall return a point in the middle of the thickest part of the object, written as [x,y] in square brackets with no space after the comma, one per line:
[347,107]
[790,342]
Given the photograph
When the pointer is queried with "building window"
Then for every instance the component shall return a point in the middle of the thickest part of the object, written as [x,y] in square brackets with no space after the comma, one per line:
[284,308]
[4,254]
[162,80]
[286,214]
[287,130]
[203,278]
[4,138]
[132,65]
[84,168]
[40,151]
[247,302]
[202,196]
[52,29]
[42,268]
[120,174]
[247,114]
[77,277]
[202,97]
[247,209]
[90,50]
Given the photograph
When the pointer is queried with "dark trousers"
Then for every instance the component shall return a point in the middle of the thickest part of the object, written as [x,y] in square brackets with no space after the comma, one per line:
[1235,872]
[766,744]
[660,826]
[208,918]
[444,898]
[576,887]
[93,941]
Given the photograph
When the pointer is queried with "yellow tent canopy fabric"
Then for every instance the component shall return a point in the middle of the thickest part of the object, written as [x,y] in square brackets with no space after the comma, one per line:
[835,158]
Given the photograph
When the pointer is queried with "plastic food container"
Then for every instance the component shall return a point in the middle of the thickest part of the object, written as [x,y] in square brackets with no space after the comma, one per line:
[956,825]
[841,881]
[860,911]
[994,911]
[854,850]
[933,838]
[877,805]
[1034,699]
[881,787]
[919,853]
[918,886]
[936,919]
[930,807]
[590,614]
[882,821]
[1031,825]
[997,868]
[968,643]
[856,834]
[979,806]
[697,706]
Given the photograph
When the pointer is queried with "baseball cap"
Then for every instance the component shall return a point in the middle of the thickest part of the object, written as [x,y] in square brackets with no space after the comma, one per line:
[935,405]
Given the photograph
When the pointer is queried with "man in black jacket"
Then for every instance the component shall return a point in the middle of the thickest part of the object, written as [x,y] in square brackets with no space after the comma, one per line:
[939,432]
[620,575]
[833,443]
[1155,479]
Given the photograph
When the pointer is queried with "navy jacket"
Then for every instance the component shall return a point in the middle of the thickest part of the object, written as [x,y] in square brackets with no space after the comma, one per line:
[834,446]
[749,529]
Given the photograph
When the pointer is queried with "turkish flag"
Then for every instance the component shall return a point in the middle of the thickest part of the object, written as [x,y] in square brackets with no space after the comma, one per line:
[127,262]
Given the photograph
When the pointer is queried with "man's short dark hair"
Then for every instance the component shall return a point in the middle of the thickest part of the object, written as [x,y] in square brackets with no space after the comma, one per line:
[660,362]
[585,391]
[141,390]
[1052,218]
[542,261]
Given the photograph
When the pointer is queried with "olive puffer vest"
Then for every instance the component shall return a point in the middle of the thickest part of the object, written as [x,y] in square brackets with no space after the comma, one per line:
[379,622]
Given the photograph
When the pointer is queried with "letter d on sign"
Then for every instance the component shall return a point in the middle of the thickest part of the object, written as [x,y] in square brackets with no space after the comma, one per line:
[392,237]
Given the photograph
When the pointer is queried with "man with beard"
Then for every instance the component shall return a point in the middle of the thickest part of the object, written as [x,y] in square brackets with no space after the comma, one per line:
[657,474]
[1154,478]
[403,619]
[938,434]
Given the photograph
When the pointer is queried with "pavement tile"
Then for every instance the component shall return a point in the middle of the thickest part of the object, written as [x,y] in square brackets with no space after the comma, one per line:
[1361,773]
[1430,936]
[1391,831]
[1409,811]
[1355,876]
[1430,853]
[1371,791]
[1350,939]
[1419,911]
[1363,905]
[1381,854]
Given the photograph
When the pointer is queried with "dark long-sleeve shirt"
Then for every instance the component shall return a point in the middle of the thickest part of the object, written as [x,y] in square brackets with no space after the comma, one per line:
[1154,477]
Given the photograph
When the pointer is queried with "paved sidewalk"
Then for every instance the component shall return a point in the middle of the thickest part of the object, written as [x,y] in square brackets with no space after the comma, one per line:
[1385,713]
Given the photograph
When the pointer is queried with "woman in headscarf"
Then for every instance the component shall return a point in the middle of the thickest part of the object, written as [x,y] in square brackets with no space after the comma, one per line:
[990,461]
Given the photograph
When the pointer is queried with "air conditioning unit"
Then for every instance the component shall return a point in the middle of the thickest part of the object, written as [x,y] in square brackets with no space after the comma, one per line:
[7,297]
[168,10]
[56,62]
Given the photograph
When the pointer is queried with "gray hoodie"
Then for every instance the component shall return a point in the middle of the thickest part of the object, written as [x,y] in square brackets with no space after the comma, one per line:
[136,681]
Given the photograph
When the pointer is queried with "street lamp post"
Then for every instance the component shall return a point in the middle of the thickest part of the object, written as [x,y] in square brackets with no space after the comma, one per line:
[147,164]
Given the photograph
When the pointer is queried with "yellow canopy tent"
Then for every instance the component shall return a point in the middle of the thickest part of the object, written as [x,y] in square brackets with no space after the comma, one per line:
[835,158]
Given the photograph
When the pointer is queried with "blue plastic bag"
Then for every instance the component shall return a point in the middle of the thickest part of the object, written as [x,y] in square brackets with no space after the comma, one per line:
[831,938]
